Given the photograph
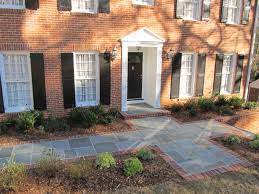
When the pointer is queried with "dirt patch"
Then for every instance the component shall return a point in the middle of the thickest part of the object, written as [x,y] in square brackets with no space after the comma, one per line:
[13,136]
[243,149]
[155,171]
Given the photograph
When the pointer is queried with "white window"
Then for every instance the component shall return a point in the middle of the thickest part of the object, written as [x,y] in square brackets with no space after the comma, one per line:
[143,2]
[12,4]
[86,71]
[227,74]
[16,82]
[189,9]
[87,6]
[187,78]
[233,11]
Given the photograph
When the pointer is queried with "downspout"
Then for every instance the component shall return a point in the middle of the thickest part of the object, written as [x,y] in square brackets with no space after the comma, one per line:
[251,52]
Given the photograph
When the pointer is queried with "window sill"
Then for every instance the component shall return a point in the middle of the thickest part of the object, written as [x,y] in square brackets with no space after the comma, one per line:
[13,8]
[144,5]
[83,12]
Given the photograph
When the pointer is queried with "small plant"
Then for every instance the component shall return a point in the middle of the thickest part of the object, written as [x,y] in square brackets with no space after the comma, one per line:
[256,137]
[235,102]
[52,124]
[6,124]
[98,110]
[221,101]
[145,154]
[28,120]
[206,104]
[232,139]
[12,176]
[254,144]
[250,105]
[84,116]
[105,160]
[225,110]
[190,104]
[177,107]
[132,166]
[79,170]
[49,165]
[192,112]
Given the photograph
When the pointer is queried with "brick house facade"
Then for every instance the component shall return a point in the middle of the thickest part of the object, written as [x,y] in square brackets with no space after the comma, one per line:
[49,29]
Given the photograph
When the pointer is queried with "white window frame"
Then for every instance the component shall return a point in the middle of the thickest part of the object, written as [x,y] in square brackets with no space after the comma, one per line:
[197,12]
[4,89]
[140,2]
[13,6]
[236,20]
[232,74]
[97,66]
[75,9]
[194,72]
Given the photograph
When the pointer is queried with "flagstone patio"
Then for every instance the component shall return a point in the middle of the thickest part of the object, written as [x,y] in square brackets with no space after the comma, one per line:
[187,145]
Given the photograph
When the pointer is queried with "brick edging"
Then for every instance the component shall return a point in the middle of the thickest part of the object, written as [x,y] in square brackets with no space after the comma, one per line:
[193,177]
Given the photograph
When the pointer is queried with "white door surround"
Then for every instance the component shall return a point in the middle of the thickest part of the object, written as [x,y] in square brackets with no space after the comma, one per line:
[152,46]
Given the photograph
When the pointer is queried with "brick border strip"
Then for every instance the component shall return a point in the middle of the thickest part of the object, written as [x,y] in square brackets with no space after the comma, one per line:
[194,177]
[139,116]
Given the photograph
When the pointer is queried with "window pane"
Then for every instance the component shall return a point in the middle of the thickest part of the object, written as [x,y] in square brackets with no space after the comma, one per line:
[85,76]
[85,5]
[190,9]
[186,80]
[12,3]
[226,74]
[17,81]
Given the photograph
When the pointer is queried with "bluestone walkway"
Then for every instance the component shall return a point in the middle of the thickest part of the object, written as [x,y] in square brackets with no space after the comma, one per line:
[187,144]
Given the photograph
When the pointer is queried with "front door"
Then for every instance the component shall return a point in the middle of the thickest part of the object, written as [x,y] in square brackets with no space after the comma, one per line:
[135,60]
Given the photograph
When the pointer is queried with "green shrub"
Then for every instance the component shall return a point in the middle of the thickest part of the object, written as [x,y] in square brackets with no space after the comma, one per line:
[232,139]
[79,170]
[48,165]
[250,105]
[6,124]
[145,154]
[114,112]
[225,110]
[28,120]
[190,104]
[98,110]
[221,101]
[192,112]
[177,107]
[84,116]
[256,137]
[235,102]
[254,144]
[12,176]
[105,160]
[132,166]
[206,104]
[52,124]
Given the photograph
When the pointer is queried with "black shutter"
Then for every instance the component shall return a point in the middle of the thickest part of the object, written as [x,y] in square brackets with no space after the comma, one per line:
[205,10]
[64,5]
[38,81]
[224,11]
[200,74]
[238,75]
[67,64]
[105,78]
[1,98]
[104,6]
[246,11]
[218,73]
[32,4]
[176,72]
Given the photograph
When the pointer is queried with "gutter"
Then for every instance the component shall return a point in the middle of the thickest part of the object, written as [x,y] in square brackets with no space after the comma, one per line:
[251,53]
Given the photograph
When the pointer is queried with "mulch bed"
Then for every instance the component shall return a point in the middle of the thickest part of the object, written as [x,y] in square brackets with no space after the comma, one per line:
[155,171]
[15,137]
[243,149]
[183,116]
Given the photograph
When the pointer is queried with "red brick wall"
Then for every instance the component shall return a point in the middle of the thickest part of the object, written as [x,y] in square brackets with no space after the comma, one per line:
[51,32]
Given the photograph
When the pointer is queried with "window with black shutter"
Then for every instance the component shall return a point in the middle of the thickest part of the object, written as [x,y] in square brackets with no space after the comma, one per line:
[104,6]
[64,5]
[246,11]
[32,4]
[200,74]
[205,10]
[176,72]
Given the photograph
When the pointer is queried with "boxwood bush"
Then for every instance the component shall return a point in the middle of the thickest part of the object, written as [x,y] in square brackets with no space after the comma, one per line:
[254,144]
[232,139]
[235,102]
[221,101]
[206,104]
[145,154]
[105,160]
[28,120]
[132,166]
